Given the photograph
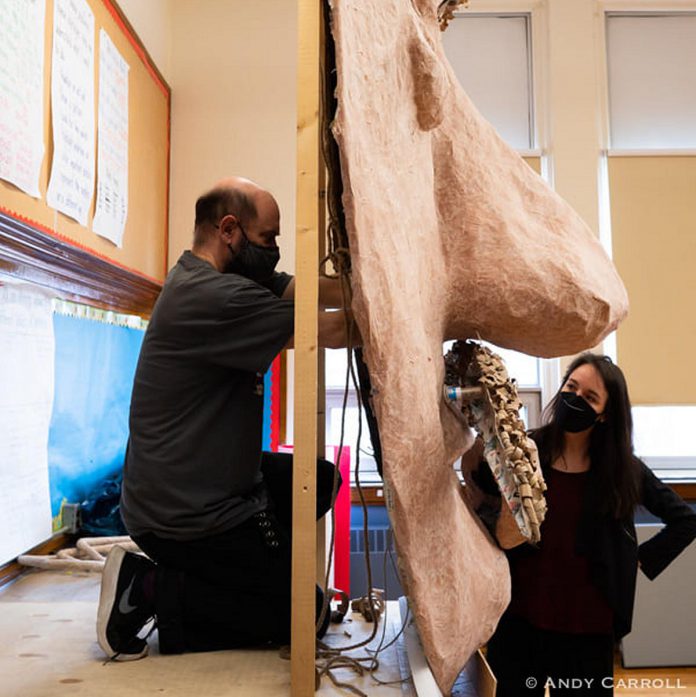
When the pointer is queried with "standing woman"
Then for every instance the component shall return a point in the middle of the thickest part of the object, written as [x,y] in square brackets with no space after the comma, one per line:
[572,596]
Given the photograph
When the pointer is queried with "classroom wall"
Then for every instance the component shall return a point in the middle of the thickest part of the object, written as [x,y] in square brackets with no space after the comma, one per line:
[572,95]
[152,21]
[232,68]
[233,108]
[231,65]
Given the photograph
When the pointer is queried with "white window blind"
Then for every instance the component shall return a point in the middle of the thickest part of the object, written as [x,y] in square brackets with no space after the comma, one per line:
[662,438]
[652,80]
[491,56]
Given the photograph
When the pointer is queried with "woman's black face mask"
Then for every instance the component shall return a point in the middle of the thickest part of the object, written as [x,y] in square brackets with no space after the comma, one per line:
[574,413]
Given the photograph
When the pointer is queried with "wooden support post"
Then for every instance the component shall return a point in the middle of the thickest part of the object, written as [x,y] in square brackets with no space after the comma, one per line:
[309,205]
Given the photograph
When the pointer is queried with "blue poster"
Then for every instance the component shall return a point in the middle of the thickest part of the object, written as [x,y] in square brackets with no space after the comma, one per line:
[94,367]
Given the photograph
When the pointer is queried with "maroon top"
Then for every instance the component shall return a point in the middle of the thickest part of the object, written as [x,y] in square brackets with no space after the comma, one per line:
[551,586]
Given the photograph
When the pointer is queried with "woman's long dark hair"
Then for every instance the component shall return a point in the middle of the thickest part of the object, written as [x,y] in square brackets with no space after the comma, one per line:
[615,470]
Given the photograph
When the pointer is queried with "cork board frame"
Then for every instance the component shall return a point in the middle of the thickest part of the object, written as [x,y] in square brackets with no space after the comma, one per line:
[40,244]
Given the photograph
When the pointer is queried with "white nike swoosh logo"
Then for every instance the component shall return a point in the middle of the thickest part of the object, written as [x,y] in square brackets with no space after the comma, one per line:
[124,605]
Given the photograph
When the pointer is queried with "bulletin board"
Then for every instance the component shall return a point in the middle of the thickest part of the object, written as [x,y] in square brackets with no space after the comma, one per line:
[40,244]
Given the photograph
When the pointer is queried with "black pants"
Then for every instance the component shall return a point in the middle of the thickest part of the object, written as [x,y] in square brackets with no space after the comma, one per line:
[525,659]
[233,589]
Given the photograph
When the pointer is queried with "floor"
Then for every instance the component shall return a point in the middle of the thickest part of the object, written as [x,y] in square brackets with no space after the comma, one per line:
[654,682]
[48,648]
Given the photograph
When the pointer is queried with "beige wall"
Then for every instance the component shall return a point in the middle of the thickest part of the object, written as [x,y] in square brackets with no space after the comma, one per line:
[572,94]
[231,65]
[233,106]
[151,20]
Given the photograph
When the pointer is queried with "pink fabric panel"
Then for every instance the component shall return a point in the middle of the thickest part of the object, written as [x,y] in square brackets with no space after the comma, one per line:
[342,523]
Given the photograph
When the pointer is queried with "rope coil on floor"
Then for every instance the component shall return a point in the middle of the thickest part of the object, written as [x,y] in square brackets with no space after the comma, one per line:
[89,554]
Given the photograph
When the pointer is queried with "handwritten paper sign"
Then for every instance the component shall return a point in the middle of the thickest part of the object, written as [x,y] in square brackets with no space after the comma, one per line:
[112,147]
[21,92]
[26,399]
[71,185]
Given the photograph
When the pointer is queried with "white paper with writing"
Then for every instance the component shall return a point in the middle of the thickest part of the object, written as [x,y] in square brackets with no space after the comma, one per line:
[22,29]
[112,143]
[26,400]
[72,102]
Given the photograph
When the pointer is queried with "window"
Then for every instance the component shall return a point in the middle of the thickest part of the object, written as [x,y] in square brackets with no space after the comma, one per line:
[491,56]
[526,371]
[652,80]
[651,64]
[661,439]
[336,365]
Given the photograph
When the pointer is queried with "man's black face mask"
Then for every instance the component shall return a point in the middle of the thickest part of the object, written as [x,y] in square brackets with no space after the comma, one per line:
[253,261]
[574,414]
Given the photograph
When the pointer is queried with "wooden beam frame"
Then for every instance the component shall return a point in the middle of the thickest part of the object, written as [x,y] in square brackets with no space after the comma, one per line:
[310,207]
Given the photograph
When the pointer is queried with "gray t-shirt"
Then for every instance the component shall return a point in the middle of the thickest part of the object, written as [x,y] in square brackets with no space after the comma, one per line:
[192,464]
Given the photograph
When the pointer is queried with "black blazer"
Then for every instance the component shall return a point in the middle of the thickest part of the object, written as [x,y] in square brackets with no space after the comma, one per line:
[611,544]
[614,553]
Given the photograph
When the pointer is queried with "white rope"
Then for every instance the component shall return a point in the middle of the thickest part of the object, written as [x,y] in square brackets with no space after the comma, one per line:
[89,555]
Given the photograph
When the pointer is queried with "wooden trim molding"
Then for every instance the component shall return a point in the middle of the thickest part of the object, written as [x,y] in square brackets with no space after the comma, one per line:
[10,571]
[31,254]
[373,495]
[687,490]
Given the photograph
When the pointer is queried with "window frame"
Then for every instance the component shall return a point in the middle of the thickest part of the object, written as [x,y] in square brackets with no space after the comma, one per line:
[532,149]
[537,38]
[632,8]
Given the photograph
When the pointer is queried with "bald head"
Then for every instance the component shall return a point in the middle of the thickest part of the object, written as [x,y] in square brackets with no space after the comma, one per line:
[236,195]
[239,183]
[252,206]
[221,200]
[261,200]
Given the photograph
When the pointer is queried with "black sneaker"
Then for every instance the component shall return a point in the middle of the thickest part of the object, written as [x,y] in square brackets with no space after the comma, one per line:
[123,612]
